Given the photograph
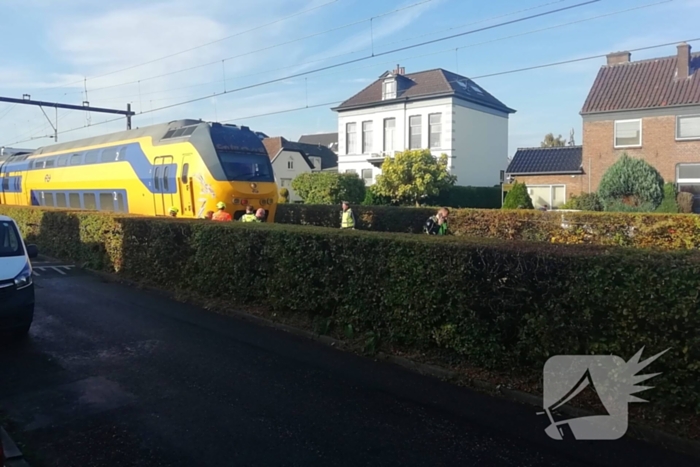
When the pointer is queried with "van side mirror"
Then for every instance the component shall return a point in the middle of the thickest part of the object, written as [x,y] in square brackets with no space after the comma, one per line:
[32,251]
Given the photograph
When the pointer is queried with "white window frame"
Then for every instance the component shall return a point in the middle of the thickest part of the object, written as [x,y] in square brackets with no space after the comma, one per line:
[365,142]
[430,131]
[347,137]
[290,163]
[371,176]
[410,131]
[386,95]
[389,148]
[551,190]
[641,135]
[678,127]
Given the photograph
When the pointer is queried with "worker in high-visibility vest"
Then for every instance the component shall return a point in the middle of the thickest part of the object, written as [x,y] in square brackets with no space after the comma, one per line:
[249,216]
[172,212]
[221,215]
[348,218]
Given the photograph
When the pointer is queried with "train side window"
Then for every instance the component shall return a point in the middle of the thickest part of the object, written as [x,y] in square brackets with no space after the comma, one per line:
[76,159]
[189,130]
[39,164]
[178,133]
[50,162]
[6,184]
[49,200]
[122,153]
[156,178]
[106,202]
[166,182]
[109,155]
[185,172]
[61,200]
[120,202]
[89,201]
[91,157]
[63,160]
[74,200]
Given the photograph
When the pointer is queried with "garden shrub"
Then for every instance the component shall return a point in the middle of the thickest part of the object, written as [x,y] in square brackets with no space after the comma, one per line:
[488,303]
[584,202]
[669,203]
[631,185]
[518,198]
[685,202]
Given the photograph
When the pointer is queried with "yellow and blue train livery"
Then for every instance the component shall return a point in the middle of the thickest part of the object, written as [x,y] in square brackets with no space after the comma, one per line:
[187,164]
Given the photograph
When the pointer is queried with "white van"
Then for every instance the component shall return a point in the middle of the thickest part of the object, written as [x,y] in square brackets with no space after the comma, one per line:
[16,284]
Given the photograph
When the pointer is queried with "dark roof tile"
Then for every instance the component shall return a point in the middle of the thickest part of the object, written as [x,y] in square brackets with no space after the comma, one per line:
[425,84]
[543,161]
[645,84]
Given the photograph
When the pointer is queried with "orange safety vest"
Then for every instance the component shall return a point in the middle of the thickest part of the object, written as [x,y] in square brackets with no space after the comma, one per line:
[221,216]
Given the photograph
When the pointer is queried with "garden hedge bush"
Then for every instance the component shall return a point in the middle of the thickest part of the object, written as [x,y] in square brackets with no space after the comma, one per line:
[499,305]
[640,230]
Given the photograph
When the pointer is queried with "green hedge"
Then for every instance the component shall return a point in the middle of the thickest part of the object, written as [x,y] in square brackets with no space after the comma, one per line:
[475,197]
[658,231]
[499,305]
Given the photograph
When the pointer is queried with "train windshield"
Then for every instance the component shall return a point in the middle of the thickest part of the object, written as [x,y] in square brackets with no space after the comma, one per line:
[243,167]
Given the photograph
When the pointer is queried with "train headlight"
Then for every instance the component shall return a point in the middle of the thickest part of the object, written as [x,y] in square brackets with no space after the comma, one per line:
[263,202]
[236,200]
[270,201]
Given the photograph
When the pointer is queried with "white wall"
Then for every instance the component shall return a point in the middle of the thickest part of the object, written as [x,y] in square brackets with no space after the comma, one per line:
[284,175]
[474,138]
[481,146]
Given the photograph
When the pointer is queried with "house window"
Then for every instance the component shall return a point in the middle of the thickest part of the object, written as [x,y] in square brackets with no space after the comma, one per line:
[628,133]
[551,196]
[414,132]
[435,124]
[286,182]
[688,127]
[351,171]
[351,138]
[688,181]
[290,164]
[367,175]
[389,89]
[366,137]
[389,132]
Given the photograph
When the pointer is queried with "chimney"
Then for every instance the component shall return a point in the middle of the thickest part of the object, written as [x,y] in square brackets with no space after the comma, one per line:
[616,58]
[683,65]
[399,70]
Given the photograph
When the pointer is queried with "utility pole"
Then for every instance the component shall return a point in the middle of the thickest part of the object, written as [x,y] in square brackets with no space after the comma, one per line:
[26,100]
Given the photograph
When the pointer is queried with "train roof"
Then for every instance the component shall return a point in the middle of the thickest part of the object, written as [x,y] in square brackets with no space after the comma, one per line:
[157,132]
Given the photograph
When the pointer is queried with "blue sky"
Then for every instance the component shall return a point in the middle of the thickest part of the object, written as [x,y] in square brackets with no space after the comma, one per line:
[51,46]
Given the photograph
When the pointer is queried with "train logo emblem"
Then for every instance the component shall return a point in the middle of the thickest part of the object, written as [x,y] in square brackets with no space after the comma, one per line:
[254,187]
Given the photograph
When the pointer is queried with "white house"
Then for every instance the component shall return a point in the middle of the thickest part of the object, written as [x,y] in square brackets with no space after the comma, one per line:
[290,159]
[434,109]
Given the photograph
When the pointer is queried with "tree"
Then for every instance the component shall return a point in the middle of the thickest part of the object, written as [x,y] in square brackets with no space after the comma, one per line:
[412,176]
[631,185]
[284,196]
[329,188]
[551,142]
[518,198]
[669,203]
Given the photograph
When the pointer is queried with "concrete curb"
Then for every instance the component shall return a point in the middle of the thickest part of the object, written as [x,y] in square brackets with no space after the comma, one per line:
[13,456]
[635,430]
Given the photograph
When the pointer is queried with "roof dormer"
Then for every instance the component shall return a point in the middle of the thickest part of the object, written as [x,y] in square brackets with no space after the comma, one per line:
[390,84]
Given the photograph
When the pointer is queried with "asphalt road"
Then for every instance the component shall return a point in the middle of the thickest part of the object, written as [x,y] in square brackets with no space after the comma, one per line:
[113,376]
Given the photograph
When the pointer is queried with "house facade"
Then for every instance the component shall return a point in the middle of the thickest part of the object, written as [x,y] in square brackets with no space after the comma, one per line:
[290,159]
[552,175]
[649,109]
[437,110]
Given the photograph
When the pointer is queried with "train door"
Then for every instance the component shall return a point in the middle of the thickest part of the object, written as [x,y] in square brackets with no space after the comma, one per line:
[164,184]
[186,188]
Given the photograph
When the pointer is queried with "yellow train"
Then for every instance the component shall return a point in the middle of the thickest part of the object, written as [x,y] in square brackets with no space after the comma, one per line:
[187,164]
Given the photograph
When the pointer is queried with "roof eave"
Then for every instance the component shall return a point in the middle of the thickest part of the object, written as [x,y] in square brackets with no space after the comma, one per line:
[342,108]
[567,172]
[637,109]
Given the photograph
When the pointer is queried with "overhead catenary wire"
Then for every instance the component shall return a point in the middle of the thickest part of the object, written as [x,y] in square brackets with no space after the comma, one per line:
[252,52]
[518,70]
[262,26]
[413,57]
[367,57]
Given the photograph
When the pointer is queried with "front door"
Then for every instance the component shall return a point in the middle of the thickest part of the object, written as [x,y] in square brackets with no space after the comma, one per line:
[164,184]
[186,191]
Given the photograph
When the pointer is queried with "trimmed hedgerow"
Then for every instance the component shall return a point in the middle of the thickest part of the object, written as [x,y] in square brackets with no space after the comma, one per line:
[494,304]
[641,230]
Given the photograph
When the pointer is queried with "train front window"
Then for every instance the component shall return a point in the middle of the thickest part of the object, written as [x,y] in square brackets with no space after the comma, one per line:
[243,167]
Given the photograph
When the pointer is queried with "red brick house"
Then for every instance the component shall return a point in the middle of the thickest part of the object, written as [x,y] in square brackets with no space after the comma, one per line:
[649,109]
